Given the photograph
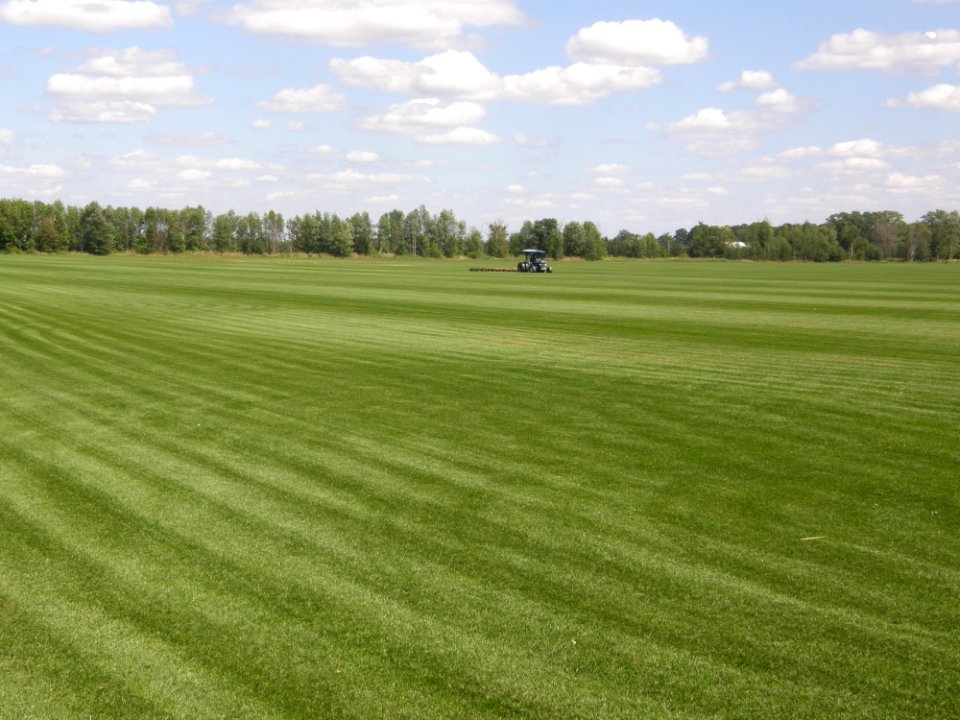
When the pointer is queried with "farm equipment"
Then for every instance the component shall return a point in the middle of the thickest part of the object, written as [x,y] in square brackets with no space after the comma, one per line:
[534,261]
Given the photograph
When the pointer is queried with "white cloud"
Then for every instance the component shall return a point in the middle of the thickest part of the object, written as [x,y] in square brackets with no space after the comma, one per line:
[855,165]
[749,80]
[864,147]
[322,150]
[189,8]
[459,136]
[608,169]
[353,180]
[362,156]
[460,75]
[939,97]
[516,189]
[121,112]
[415,115]
[193,176]
[711,131]
[383,199]
[898,182]
[268,179]
[7,136]
[608,182]
[122,87]
[187,138]
[99,16]
[636,43]
[541,202]
[295,126]
[866,50]
[138,161]
[233,164]
[529,142]
[141,184]
[318,99]
[801,152]
[261,124]
[764,171]
[420,23]
[780,101]
[577,84]
[34,171]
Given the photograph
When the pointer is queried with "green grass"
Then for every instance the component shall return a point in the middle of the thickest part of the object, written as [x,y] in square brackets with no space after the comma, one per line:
[361,489]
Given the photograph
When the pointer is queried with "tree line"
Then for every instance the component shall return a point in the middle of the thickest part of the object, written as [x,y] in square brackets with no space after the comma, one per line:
[34,226]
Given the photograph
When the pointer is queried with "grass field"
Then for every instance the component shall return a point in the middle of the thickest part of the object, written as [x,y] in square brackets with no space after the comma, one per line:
[235,488]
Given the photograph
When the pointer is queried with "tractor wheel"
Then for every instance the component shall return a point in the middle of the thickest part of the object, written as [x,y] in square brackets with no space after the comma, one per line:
[520,267]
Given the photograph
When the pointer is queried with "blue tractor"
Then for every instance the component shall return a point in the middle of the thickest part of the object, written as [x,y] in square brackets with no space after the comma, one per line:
[534,261]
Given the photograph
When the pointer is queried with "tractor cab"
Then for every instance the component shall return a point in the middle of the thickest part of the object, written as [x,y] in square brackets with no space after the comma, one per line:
[534,260]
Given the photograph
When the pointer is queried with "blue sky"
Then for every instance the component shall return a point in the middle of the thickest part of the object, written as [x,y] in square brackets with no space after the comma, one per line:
[638,115]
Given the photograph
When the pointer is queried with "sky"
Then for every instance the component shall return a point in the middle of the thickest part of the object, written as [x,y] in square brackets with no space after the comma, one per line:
[646,116]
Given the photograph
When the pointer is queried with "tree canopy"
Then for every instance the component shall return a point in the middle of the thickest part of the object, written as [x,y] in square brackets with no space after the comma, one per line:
[33,226]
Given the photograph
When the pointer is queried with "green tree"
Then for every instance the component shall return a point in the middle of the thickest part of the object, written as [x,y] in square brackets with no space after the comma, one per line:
[341,236]
[594,245]
[222,238]
[95,231]
[473,245]
[497,240]
[362,233]
[547,237]
[574,242]
[944,233]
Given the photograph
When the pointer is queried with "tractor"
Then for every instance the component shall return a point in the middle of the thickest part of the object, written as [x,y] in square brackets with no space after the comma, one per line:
[534,261]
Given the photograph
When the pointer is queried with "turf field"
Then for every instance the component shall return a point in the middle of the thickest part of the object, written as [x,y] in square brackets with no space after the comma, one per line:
[235,488]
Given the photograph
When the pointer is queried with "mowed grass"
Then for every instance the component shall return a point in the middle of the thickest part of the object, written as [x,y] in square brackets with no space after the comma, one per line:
[397,489]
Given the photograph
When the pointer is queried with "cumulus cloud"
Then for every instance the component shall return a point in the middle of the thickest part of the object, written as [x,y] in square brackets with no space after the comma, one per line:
[529,142]
[608,57]
[939,97]
[780,101]
[43,171]
[461,75]
[714,131]
[607,181]
[7,136]
[577,84]
[318,99]
[420,23]
[347,180]
[415,115]
[261,124]
[383,199]
[362,156]
[711,131]
[187,138]
[855,165]
[218,164]
[193,176]
[99,16]
[866,50]
[608,169]
[122,87]
[459,136]
[898,182]
[635,43]
[749,80]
